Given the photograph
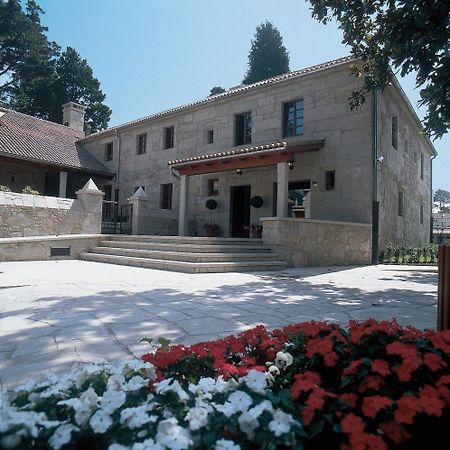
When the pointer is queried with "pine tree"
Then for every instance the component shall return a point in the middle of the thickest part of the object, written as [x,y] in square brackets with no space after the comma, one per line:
[268,56]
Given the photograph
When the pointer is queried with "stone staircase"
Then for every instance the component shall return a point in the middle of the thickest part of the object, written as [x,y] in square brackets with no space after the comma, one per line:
[186,254]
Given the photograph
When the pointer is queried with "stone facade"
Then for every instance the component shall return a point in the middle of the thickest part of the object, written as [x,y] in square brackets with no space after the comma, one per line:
[35,215]
[306,242]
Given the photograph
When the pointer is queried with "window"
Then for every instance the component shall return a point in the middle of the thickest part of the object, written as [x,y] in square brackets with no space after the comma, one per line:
[330,180]
[213,186]
[210,136]
[166,196]
[400,203]
[243,128]
[109,151]
[293,118]
[108,191]
[421,213]
[141,144]
[406,146]
[421,166]
[169,134]
[394,132]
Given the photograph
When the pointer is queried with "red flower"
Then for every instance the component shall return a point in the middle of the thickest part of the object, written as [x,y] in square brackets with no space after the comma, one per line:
[304,382]
[371,382]
[372,405]
[350,398]
[405,370]
[323,347]
[314,402]
[353,367]
[407,408]
[429,401]
[359,439]
[433,361]
[394,431]
[381,367]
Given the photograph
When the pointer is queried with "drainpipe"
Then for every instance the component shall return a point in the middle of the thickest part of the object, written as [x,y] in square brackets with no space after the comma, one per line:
[376,161]
[431,199]
[119,142]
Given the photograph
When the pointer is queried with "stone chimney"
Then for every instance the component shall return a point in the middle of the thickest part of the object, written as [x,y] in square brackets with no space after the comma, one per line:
[73,115]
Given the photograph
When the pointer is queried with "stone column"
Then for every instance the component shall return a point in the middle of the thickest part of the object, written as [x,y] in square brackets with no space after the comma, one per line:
[140,205]
[63,184]
[282,189]
[183,208]
[90,198]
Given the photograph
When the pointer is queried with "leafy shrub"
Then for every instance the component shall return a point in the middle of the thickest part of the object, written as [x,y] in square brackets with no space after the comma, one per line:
[403,253]
[373,386]
[29,190]
[4,188]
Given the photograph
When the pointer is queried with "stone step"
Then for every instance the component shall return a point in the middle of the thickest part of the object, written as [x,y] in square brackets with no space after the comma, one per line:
[184,256]
[183,266]
[183,247]
[184,240]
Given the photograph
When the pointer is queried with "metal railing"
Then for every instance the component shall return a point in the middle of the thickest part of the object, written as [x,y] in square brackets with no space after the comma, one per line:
[116,219]
[443,310]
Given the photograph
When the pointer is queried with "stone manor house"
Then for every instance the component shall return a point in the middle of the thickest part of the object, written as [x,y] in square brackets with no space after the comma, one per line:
[286,153]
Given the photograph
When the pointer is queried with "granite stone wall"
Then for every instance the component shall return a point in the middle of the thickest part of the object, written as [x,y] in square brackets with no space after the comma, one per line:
[306,242]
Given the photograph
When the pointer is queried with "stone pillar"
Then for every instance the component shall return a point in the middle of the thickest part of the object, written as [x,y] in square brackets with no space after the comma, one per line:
[140,204]
[63,184]
[282,189]
[91,198]
[183,208]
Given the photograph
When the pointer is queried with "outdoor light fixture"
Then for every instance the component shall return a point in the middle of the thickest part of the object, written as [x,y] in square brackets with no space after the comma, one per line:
[291,165]
[315,183]
[239,171]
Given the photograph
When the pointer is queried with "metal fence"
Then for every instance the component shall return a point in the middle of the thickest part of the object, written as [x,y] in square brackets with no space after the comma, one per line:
[116,219]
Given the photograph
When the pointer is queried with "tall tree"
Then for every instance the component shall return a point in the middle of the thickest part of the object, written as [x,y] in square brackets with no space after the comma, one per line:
[442,198]
[217,90]
[268,56]
[410,35]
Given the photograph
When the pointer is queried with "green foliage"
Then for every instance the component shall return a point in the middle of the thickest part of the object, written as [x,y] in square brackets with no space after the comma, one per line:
[442,198]
[268,56]
[29,190]
[4,188]
[403,253]
[37,78]
[217,90]
[410,35]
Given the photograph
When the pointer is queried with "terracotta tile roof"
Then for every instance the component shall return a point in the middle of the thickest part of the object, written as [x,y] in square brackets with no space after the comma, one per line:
[29,138]
[239,151]
[229,93]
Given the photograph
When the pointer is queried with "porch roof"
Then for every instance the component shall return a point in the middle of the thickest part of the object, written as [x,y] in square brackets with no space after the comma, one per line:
[244,158]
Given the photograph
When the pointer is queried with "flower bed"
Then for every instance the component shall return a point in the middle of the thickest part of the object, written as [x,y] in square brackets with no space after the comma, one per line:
[371,386]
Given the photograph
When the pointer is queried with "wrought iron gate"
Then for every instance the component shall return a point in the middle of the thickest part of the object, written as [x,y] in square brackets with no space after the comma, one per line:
[116,219]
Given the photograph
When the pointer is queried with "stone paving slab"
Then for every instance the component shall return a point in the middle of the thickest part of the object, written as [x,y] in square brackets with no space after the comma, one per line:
[54,313]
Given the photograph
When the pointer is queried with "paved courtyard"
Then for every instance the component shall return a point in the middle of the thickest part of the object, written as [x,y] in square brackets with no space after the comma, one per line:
[53,313]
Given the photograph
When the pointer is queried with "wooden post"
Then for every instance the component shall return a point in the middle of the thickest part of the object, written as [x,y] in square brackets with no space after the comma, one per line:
[443,306]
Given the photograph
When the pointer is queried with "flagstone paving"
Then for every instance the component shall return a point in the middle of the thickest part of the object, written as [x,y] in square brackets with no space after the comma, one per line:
[53,313]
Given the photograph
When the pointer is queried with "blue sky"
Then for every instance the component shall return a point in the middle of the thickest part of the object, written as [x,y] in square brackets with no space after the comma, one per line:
[151,55]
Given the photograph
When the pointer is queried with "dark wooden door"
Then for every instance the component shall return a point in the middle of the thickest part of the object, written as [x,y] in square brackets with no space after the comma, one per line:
[240,210]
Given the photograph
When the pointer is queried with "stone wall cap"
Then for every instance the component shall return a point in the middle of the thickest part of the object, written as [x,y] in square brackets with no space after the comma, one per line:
[59,237]
[318,221]
[139,195]
[90,188]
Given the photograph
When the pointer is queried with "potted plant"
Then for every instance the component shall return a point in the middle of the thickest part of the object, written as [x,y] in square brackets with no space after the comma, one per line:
[254,231]
[212,229]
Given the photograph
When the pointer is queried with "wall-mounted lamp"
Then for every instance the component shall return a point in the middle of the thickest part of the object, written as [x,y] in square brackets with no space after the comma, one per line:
[239,171]
[315,183]
[291,165]
[380,159]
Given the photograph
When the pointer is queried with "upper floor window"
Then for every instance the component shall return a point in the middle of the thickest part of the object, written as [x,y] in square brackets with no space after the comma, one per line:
[421,213]
[421,166]
[330,179]
[165,201]
[394,132]
[243,128]
[169,136]
[210,136]
[213,186]
[293,114]
[109,151]
[141,144]
[400,205]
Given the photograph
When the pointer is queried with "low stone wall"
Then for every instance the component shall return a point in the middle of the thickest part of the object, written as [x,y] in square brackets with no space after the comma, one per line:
[309,242]
[38,248]
[36,215]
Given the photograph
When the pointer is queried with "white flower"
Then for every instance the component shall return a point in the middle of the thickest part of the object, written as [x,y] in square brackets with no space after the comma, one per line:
[197,417]
[224,444]
[83,406]
[283,360]
[135,384]
[112,400]
[100,421]
[172,385]
[256,381]
[248,423]
[118,447]
[148,444]
[238,401]
[281,423]
[62,435]
[171,435]
[257,410]
[115,382]
[136,417]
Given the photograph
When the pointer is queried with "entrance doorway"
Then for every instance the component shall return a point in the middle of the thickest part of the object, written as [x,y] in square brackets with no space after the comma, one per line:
[240,210]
